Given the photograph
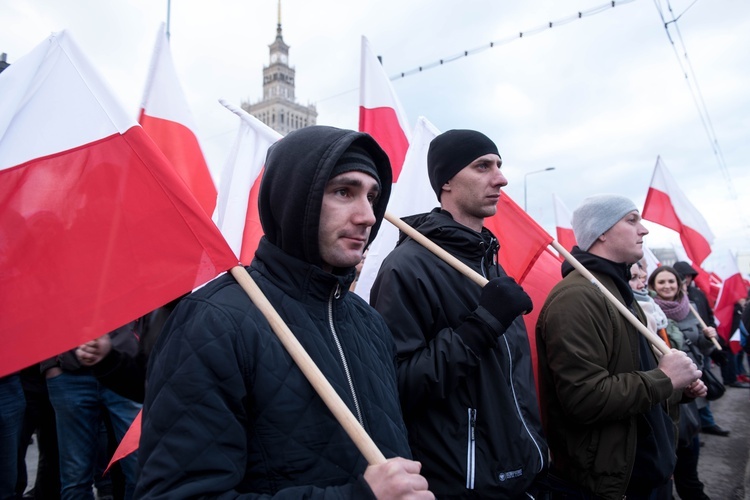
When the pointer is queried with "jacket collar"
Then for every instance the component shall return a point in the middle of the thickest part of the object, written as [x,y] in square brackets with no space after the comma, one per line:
[461,241]
[298,279]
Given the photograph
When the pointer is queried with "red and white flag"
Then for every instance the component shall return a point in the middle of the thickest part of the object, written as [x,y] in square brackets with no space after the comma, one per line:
[166,118]
[237,207]
[732,290]
[412,194]
[563,216]
[96,228]
[380,112]
[667,205]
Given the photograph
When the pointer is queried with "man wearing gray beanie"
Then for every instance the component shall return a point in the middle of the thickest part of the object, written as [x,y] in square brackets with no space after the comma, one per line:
[464,362]
[604,390]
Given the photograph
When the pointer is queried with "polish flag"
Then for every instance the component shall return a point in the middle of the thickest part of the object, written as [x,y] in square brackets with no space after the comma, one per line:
[237,207]
[413,194]
[380,112]
[96,228]
[667,205]
[166,118]
[563,216]
[732,290]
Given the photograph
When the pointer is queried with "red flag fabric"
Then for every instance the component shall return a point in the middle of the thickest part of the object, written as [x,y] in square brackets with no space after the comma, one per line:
[166,118]
[237,207]
[521,239]
[538,282]
[96,228]
[732,290]
[129,442]
[667,205]
[380,112]
[565,235]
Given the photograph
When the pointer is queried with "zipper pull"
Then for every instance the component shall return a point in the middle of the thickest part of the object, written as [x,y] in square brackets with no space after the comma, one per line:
[337,291]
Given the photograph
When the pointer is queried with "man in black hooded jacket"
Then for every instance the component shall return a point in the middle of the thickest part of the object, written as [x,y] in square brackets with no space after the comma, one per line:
[227,412]
[464,361]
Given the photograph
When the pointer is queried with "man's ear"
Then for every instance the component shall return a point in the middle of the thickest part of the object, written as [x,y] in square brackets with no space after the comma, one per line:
[446,186]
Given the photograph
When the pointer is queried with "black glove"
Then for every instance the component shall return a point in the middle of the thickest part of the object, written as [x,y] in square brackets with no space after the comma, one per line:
[505,300]
[719,357]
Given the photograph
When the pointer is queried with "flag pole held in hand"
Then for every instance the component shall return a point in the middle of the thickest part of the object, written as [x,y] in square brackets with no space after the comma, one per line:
[481,281]
[704,326]
[436,249]
[650,336]
[348,421]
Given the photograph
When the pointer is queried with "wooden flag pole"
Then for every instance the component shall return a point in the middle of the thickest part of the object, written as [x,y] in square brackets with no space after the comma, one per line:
[481,281]
[650,336]
[704,326]
[340,411]
[436,249]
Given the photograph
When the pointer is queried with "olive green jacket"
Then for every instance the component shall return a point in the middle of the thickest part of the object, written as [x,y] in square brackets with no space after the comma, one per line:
[590,387]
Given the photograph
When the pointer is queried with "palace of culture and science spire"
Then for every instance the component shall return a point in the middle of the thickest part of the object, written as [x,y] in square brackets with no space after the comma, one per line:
[278,109]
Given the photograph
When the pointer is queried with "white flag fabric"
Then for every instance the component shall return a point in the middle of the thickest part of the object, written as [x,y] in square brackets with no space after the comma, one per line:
[166,118]
[237,205]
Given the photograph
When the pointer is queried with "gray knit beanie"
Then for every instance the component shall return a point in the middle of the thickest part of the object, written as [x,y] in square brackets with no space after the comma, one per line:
[596,215]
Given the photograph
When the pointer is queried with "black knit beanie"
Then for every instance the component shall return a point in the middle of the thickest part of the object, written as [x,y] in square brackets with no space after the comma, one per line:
[453,150]
[357,159]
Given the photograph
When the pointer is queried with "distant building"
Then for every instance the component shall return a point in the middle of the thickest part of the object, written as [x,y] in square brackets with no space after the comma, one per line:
[667,256]
[278,109]
[3,61]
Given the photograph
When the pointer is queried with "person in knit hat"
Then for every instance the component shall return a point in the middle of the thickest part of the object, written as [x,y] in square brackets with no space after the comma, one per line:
[228,413]
[603,389]
[464,361]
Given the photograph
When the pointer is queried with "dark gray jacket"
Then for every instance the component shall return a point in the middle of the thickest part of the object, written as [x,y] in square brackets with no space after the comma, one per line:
[467,391]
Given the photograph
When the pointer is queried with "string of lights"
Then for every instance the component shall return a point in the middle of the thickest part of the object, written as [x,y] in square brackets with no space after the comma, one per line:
[496,43]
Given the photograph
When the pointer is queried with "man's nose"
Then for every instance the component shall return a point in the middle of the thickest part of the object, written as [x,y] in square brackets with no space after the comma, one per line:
[499,179]
[364,213]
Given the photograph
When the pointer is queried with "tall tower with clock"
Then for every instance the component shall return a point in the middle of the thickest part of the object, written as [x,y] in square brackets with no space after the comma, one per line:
[278,109]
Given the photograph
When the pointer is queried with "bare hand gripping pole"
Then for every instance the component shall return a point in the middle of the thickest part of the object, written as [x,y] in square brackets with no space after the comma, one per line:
[340,411]
[481,281]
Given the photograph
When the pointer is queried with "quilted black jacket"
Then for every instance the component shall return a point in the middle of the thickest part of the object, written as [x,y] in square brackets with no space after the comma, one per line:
[467,392]
[227,413]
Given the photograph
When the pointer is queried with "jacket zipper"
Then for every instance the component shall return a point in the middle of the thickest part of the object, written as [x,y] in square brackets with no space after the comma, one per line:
[471,449]
[335,294]
[518,407]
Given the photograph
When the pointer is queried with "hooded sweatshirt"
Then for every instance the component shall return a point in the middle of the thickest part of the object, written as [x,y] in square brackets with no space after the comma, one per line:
[228,414]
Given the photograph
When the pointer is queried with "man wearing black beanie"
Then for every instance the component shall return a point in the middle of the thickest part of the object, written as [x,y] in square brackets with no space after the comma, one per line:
[464,362]
[227,412]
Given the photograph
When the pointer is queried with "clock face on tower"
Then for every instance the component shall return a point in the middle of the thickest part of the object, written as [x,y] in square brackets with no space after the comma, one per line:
[278,57]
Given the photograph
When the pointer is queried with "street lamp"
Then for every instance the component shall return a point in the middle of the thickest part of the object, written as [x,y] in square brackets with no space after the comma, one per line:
[524,182]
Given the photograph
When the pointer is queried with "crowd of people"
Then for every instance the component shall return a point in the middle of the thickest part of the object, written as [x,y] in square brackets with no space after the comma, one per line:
[436,369]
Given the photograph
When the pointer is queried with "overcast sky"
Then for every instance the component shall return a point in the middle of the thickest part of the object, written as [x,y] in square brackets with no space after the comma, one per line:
[598,98]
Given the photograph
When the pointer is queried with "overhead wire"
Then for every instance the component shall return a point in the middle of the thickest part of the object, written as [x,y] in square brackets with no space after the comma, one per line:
[533,31]
[496,43]
[692,82]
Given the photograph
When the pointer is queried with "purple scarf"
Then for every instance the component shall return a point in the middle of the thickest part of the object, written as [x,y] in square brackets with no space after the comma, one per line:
[676,310]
